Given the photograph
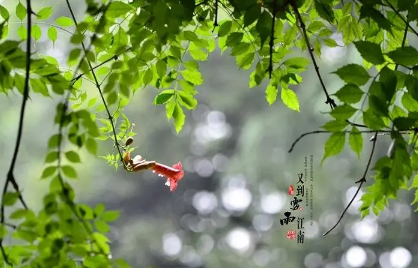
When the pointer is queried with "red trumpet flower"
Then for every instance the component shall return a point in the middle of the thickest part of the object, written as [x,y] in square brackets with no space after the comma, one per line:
[173,174]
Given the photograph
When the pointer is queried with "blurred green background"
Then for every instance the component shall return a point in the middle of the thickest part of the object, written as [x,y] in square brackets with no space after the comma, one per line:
[234,148]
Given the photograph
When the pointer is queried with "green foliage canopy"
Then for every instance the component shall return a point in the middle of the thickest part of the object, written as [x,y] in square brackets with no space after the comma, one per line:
[123,46]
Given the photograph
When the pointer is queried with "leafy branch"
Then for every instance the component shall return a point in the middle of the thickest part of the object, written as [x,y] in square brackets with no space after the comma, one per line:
[110,118]
[66,190]
[374,140]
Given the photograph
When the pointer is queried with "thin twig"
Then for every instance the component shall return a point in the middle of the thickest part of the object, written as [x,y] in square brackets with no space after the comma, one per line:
[360,181]
[271,44]
[114,57]
[329,100]
[383,132]
[10,176]
[215,23]
[99,89]
[402,18]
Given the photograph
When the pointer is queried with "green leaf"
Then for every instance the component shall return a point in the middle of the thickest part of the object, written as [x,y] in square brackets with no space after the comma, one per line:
[21,11]
[350,93]
[73,156]
[36,32]
[371,52]
[91,146]
[91,102]
[234,39]
[4,13]
[110,215]
[51,157]
[39,86]
[99,209]
[252,14]
[52,34]
[330,42]
[22,32]
[343,112]
[263,27]
[378,106]
[351,29]
[64,21]
[179,117]
[44,13]
[353,74]
[245,61]
[334,145]
[198,54]
[335,125]
[48,172]
[290,99]
[118,9]
[19,214]
[169,108]
[409,103]
[187,100]
[54,141]
[194,77]
[69,171]
[161,68]
[372,121]
[397,112]
[164,96]
[240,49]
[368,11]
[73,58]
[297,63]
[225,28]
[102,226]
[404,123]
[9,198]
[324,11]
[148,76]
[271,94]
[356,141]
[406,56]
[388,81]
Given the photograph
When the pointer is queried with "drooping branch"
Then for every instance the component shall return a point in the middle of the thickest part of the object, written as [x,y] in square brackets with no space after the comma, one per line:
[374,140]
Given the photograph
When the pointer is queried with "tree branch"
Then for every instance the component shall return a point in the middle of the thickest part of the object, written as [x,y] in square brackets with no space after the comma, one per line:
[10,176]
[361,181]
[402,18]
[302,27]
[379,132]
